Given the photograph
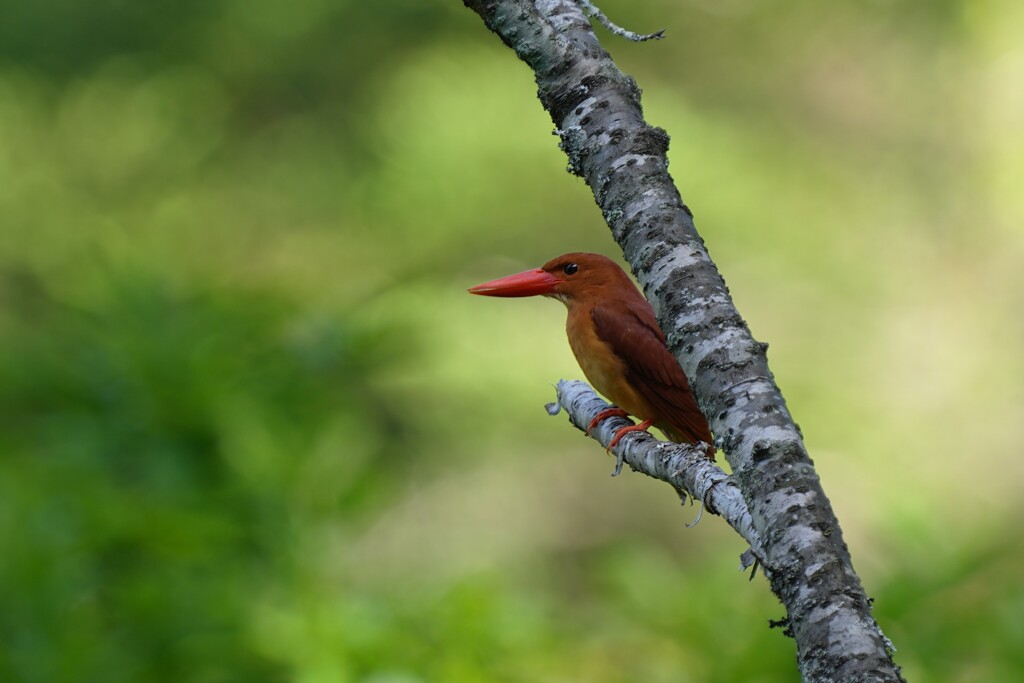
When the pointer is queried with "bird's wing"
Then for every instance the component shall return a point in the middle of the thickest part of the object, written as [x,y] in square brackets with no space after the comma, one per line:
[652,371]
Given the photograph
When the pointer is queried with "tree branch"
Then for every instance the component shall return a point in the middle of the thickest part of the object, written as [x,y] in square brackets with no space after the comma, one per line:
[596,109]
[594,12]
[684,466]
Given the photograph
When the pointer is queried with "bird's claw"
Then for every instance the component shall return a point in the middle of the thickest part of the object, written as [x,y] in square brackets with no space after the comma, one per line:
[604,415]
[617,412]
[620,456]
[642,427]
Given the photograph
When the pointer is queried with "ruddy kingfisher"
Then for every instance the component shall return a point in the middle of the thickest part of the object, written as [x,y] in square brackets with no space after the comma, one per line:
[615,337]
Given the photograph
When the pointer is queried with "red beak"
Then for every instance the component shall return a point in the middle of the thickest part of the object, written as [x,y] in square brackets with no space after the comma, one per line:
[528,283]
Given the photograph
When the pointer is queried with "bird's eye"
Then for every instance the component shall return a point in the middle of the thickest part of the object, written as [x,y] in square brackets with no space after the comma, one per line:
[570,268]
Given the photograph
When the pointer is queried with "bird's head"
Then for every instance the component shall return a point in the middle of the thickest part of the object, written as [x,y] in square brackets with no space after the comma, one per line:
[569,278]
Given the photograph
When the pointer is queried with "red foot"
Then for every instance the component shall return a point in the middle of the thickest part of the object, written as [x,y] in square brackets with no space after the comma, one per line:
[642,427]
[604,415]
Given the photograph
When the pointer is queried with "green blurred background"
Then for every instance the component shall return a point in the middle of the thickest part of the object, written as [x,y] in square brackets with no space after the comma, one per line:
[253,429]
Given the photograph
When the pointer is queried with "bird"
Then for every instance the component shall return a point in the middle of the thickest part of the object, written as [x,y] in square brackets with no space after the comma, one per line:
[618,344]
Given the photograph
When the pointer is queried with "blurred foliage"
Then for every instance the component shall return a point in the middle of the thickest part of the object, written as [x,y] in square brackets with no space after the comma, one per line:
[251,428]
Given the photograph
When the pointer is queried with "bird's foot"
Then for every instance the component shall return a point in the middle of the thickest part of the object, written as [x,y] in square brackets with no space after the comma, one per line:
[604,415]
[620,457]
[642,427]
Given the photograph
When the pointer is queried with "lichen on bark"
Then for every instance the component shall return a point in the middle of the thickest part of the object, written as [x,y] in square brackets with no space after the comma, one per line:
[596,109]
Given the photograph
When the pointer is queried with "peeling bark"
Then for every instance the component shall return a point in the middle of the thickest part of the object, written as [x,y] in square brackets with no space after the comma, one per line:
[596,110]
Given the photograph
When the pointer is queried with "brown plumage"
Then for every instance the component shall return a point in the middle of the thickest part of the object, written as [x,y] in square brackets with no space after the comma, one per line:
[615,337]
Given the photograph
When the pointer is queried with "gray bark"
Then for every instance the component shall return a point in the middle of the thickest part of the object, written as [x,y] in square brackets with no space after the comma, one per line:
[685,466]
[596,109]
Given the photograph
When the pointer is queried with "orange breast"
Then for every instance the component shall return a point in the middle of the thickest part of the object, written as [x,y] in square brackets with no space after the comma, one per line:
[602,367]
